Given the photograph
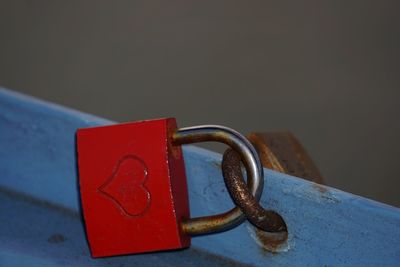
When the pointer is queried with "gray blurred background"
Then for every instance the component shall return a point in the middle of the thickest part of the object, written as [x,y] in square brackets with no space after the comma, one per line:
[326,70]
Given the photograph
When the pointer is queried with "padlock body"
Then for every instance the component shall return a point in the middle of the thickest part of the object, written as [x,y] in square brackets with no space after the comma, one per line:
[133,188]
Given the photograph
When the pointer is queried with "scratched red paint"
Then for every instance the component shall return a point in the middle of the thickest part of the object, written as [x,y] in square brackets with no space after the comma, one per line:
[133,188]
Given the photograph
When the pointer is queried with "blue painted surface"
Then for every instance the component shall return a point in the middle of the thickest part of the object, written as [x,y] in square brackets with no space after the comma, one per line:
[37,158]
[34,234]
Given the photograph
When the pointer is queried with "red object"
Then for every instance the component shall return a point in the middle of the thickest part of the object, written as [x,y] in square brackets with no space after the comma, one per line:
[133,188]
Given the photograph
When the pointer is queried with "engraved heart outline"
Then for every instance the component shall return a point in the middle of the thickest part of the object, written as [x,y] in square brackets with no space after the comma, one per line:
[110,180]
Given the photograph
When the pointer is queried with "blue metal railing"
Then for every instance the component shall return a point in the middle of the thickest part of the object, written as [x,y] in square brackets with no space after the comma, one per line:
[40,223]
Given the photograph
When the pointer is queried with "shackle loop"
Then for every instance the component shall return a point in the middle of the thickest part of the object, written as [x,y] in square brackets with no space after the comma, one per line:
[251,161]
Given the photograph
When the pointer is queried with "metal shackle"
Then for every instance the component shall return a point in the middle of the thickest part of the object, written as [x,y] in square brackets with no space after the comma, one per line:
[251,161]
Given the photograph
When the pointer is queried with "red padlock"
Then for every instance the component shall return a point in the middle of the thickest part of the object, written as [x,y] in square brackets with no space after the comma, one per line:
[133,185]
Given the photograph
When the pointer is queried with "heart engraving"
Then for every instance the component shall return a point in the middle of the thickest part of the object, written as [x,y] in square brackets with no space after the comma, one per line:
[126,186]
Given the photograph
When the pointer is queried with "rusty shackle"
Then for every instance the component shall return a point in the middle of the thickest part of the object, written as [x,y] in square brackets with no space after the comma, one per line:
[246,196]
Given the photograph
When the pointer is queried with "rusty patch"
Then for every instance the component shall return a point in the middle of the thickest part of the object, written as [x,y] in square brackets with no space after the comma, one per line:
[320,188]
[271,242]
